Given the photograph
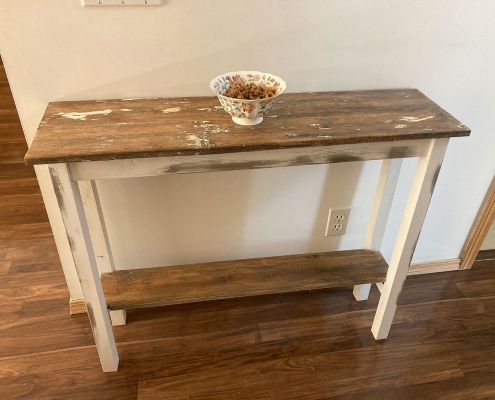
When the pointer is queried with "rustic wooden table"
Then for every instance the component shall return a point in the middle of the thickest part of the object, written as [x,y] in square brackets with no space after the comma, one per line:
[88,140]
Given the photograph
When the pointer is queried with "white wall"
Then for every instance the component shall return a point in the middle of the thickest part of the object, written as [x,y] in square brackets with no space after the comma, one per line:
[60,51]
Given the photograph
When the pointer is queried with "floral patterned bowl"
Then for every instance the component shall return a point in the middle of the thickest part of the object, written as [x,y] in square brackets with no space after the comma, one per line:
[247,112]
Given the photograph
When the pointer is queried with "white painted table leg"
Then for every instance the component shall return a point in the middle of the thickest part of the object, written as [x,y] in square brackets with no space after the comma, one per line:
[76,227]
[99,237]
[385,191]
[361,292]
[417,205]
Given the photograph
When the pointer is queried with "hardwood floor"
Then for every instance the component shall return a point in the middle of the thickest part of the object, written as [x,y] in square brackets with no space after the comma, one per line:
[307,345]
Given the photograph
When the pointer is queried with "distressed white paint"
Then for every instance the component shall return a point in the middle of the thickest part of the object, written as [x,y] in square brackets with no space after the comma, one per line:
[415,119]
[125,109]
[99,237]
[321,127]
[171,110]
[417,205]
[238,161]
[197,141]
[400,126]
[209,128]
[59,234]
[96,225]
[72,211]
[82,115]
[209,109]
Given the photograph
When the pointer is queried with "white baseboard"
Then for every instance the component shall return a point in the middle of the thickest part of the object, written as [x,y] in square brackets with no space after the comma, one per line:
[431,267]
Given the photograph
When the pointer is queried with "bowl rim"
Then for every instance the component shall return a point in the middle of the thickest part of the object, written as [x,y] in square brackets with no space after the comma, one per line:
[283,84]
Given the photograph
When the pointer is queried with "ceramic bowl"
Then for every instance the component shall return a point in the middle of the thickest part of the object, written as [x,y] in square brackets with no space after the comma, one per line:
[247,112]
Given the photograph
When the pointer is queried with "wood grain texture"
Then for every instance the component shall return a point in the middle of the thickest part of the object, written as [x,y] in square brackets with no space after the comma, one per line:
[219,280]
[77,306]
[142,128]
[483,288]
[5,239]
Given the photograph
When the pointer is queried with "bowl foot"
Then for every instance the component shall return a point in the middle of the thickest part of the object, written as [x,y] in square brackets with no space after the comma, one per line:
[247,121]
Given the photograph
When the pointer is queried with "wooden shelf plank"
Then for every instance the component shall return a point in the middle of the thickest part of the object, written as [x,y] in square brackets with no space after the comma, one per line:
[227,279]
[77,131]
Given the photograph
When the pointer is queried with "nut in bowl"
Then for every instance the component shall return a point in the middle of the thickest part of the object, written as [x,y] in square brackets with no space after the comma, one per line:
[247,95]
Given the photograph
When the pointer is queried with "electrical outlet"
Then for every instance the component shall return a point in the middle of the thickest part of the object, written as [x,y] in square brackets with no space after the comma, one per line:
[337,221]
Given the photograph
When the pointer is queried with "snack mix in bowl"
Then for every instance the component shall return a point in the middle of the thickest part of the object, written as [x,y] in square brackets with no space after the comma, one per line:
[247,95]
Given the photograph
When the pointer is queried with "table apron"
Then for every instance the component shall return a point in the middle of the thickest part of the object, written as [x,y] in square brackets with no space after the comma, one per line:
[155,166]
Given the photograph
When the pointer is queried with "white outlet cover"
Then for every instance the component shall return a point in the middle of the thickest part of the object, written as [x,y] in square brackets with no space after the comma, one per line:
[121,3]
[335,218]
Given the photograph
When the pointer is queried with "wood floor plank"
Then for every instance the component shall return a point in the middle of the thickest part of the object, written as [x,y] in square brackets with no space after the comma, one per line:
[6,236]
[414,313]
[69,373]
[422,289]
[46,329]
[4,267]
[330,359]
[230,314]
[441,347]
[9,313]
[302,374]
[485,288]
[486,255]
[480,270]
[477,361]
[15,172]
[22,209]
[479,386]
[19,188]
[29,286]
[33,248]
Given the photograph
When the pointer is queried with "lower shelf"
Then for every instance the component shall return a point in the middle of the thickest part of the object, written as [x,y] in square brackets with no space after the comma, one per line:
[149,287]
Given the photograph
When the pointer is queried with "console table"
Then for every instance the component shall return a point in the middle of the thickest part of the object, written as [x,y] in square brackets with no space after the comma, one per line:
[85,141]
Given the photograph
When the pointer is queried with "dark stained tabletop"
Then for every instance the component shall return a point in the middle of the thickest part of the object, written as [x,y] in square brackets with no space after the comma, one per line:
[138,128]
